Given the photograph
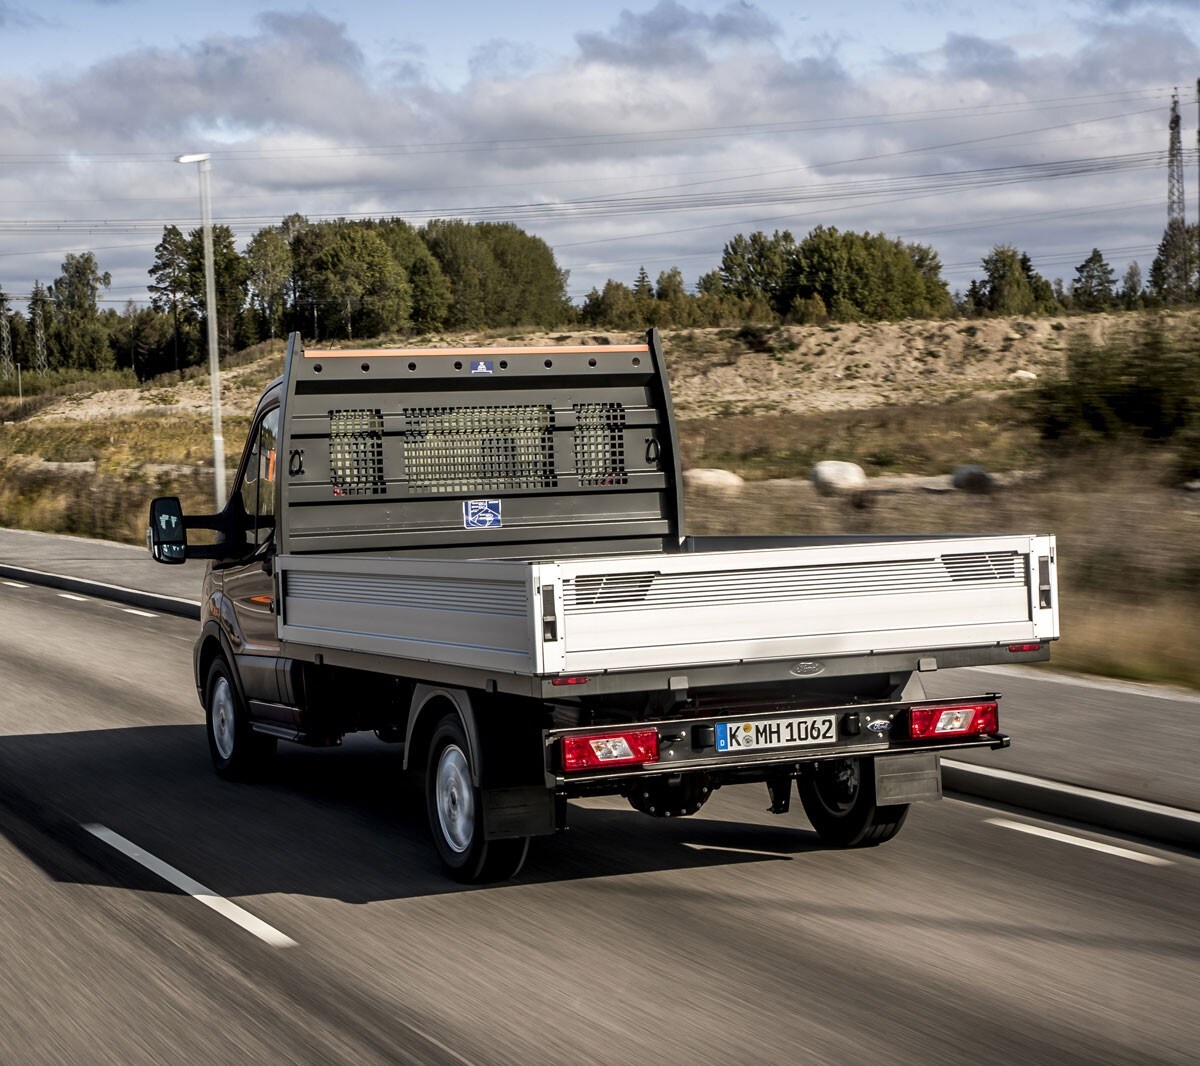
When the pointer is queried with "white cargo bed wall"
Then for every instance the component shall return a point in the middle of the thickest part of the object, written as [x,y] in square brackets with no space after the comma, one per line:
[462,613]
[725,607]
[670,611]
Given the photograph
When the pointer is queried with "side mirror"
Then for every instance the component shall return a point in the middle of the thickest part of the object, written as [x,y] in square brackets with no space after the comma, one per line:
[167,538]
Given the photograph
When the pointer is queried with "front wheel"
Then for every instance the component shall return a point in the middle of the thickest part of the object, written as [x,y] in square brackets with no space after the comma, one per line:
[237,751]
[455,808]
[839,798]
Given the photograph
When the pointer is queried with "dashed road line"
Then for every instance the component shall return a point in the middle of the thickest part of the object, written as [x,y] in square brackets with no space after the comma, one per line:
[15,585]
[1080,842]
[197,891]
[140,614]
[72,596]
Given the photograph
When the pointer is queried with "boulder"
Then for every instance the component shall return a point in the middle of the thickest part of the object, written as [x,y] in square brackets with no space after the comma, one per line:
[971,478]
[713,480]
[1022,375]
[834,478]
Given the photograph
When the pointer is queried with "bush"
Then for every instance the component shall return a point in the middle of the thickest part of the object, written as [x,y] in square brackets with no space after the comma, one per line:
[1148,385]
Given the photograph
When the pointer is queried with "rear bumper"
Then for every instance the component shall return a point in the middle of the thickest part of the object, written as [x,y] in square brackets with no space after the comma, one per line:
[689,745]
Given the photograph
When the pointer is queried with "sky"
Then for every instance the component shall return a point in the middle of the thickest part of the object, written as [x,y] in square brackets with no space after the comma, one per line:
[644,133]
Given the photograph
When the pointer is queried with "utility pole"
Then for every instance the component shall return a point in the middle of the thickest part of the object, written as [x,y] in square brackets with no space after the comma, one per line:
[203,160]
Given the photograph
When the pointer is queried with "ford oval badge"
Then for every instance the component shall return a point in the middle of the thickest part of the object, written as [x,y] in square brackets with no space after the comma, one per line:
[807,668]
[879,725]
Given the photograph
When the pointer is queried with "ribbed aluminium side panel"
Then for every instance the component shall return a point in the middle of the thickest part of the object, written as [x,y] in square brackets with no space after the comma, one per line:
[413,593]
[651,590]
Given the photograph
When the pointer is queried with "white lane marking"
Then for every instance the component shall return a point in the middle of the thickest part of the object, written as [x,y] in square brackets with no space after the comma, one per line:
[15,585]
[1110,685]
[72,596]
[1145,806]
[737,851]
[1080,842]
[193,888]
[140,614]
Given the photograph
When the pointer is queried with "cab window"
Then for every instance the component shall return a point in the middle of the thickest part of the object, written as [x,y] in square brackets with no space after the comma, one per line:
[257,488]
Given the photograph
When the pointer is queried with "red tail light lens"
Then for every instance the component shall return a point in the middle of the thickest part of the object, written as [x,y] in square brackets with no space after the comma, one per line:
[597,751]
[954,720]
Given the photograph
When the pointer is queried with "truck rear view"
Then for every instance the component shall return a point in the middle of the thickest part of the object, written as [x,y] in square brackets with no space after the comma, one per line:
[480,555]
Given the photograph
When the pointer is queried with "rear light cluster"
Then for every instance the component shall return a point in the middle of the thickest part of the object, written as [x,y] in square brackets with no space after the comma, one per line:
[953,720]
[598,751]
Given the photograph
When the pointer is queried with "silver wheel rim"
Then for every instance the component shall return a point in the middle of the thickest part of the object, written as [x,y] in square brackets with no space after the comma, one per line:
[222,718]
[455,799]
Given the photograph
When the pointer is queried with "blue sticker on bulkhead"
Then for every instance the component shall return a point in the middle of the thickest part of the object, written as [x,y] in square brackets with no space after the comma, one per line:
[481,514]
[481,366]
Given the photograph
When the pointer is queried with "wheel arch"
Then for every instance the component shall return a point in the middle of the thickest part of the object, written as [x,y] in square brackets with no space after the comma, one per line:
[429,704]
[211,645]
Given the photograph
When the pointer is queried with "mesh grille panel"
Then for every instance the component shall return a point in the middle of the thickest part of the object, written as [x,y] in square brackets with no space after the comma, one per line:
[600,443]
[356,453]
[479,449]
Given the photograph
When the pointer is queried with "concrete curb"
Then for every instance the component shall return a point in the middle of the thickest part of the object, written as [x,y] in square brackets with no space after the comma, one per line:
[150,601]
[1154,821]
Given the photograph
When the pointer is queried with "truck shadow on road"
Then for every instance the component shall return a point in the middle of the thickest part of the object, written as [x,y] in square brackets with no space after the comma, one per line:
[342,824]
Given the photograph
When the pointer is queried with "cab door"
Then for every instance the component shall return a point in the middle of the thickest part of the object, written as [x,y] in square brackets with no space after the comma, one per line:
[249,580]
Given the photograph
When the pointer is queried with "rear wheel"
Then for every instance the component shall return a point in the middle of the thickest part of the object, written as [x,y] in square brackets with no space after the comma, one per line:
[237,751]
[455,808]
[839,798]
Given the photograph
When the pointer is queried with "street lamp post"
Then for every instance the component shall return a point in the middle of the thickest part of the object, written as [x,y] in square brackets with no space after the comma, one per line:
[204,161]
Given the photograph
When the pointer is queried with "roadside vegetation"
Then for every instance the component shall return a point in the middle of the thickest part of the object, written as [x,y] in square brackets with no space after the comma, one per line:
[1094,419]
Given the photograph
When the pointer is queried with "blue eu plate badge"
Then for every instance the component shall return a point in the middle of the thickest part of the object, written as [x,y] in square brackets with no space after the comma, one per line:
[481,514]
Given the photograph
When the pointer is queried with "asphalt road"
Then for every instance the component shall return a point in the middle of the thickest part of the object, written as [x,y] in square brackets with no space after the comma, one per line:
[728,937]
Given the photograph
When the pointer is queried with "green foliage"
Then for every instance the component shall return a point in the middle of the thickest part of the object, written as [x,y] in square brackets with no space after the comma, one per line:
[1094,288]
[1148,386]
[1176,268]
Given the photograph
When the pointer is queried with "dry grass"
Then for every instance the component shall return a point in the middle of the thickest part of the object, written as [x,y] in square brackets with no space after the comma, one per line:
[912,397]
[1129,549]
[914,439]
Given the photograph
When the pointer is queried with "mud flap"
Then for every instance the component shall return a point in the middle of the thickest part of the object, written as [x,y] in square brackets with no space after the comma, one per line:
[907,778]
[518,812]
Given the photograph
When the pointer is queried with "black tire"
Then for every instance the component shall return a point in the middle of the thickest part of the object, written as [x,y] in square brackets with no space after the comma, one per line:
[238,753]
[455,807]
[839,798]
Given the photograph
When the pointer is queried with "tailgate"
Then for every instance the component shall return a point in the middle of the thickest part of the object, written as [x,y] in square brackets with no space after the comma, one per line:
[668,611]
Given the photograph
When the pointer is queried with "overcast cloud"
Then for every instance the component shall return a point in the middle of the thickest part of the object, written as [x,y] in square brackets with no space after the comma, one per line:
[650,138]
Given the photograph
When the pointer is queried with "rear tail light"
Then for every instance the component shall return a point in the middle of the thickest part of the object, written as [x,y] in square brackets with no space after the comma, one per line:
[1016,649]
[954,720]
[597,751]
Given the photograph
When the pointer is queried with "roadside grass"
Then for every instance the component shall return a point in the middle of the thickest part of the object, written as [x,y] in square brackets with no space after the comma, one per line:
[160,439]
[1128,548]
[994,431]
[1129,543]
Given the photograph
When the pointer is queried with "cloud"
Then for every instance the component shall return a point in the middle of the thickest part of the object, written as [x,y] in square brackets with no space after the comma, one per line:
[500,58]
[1126,7]
[670,34]
[975,57]
[17,17]
[652,140]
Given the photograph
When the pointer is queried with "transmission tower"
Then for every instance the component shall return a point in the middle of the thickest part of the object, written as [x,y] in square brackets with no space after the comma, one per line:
[1175,168]
[6,358]
[39,335]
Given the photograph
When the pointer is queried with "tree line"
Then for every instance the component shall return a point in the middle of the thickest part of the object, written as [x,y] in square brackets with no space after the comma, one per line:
[345,279]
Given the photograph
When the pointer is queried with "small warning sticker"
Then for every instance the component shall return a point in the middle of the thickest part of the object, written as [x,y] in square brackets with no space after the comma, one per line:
[482,366]
[481,514]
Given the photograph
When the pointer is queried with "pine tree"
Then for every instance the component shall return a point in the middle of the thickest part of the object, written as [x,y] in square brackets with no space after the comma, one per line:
[1094,287]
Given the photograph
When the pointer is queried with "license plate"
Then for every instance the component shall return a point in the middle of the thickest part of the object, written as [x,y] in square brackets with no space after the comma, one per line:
[776,733]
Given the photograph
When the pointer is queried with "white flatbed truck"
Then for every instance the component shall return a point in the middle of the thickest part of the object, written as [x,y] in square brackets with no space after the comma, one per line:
[480,555]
